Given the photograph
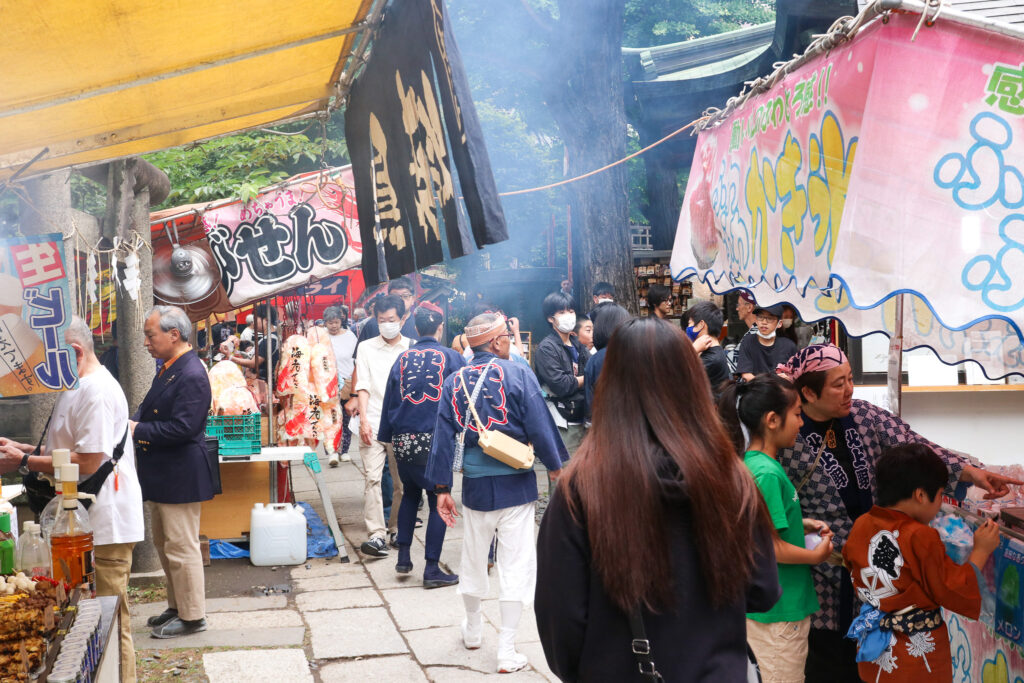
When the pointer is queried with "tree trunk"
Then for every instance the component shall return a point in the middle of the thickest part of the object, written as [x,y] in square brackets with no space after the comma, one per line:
[585,96]
[663,198]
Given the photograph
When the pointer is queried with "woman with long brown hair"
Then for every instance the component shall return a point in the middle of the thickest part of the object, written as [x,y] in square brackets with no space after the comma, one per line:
[655,522]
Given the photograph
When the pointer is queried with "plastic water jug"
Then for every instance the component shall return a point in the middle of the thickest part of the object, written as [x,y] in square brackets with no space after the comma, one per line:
[277,535]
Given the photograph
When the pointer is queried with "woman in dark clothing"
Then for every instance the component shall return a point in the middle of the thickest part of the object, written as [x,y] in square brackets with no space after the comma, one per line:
[654,513]
[407,420]
[609,318]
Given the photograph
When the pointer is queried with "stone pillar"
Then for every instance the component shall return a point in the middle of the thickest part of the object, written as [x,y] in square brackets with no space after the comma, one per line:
[49,211]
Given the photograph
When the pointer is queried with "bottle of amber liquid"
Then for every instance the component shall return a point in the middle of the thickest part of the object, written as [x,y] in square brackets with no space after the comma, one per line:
[71,537]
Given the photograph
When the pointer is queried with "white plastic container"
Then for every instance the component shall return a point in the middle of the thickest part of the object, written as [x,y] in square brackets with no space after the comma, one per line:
[277,535]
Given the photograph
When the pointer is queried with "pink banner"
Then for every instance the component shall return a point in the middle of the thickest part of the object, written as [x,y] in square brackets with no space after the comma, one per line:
[888,163]
[286,237]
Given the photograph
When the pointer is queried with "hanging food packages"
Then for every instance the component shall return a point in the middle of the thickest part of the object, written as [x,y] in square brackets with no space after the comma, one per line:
[224,375]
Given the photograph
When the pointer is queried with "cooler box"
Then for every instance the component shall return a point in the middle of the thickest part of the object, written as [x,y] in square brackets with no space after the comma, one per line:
[277,535]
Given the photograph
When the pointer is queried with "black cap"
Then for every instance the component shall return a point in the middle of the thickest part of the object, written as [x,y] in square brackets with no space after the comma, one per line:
[775,310]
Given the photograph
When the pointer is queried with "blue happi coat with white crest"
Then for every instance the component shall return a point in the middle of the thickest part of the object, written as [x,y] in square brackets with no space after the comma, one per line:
[413,392]
[510,402]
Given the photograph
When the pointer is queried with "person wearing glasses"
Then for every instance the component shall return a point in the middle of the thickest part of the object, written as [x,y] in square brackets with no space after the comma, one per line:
[762,352]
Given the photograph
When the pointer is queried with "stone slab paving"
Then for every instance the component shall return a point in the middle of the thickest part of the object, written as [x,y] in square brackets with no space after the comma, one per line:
[343,599]
[263,619]
[257,666]
[448,674]
[356,621]
[417,609]
[402,669]
[354,632]
[247,637]
[443,646]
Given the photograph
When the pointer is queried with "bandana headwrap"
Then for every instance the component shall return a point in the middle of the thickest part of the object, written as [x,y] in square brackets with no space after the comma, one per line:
[432,307]
[478,335]
[814,358]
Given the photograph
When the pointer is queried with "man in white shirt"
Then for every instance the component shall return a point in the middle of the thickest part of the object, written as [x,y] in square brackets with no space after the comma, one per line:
[91,421]
[373,367]
[343,341]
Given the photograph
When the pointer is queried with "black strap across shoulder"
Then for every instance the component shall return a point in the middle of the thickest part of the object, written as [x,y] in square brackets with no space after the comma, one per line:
[642,646]
[96,480]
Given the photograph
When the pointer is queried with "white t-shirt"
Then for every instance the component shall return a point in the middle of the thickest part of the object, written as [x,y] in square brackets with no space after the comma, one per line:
[375,360]
[344,345]
[92,419]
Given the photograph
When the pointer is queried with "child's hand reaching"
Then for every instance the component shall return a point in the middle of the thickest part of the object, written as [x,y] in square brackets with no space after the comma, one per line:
[986,540]
[824,549]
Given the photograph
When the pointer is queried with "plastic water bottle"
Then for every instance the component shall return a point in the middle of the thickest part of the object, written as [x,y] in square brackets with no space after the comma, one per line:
[32,556]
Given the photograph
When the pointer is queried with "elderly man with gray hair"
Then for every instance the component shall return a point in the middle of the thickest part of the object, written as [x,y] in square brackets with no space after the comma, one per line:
[170,436]
[92,422]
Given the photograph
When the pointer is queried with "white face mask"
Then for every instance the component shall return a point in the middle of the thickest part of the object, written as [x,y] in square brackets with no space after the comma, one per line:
[787,323]
[766,337]
[565,322]
[390,330]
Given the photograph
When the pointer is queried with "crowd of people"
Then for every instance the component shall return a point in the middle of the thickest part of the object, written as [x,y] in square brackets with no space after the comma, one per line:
[735,508]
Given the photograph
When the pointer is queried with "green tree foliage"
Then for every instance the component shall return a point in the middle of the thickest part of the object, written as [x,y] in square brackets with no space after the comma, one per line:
[240,165]
[659,22]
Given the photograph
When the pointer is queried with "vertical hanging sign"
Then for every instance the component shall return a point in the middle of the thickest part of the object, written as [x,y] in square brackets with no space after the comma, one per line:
[35,309]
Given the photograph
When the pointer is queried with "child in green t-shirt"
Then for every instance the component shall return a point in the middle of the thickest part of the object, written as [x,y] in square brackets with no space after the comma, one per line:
[763,416]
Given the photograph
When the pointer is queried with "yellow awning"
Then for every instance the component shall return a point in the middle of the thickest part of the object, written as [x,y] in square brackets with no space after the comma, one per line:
[105,79]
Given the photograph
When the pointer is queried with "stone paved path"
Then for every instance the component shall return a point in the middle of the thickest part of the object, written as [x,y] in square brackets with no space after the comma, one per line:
[350,622]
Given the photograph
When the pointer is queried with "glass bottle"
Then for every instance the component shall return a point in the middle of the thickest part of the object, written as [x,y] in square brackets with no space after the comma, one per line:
[60,457]
[32,555]
[71,544]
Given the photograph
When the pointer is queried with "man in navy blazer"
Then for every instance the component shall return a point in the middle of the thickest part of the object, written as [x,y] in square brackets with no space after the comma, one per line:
[169,430]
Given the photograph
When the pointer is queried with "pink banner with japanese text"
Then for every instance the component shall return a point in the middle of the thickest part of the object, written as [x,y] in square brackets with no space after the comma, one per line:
[35,310]
[885,165]
[285,237]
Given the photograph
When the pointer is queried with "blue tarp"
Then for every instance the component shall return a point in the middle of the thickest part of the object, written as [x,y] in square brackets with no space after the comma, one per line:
[319,542]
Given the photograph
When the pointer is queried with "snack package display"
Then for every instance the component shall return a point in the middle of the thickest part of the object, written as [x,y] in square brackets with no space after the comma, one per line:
[307,383]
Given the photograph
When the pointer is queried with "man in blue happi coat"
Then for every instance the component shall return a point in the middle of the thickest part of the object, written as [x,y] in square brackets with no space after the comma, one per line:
[495,497]
[407,422]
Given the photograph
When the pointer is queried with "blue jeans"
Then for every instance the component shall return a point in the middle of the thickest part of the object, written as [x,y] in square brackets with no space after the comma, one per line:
[414,481]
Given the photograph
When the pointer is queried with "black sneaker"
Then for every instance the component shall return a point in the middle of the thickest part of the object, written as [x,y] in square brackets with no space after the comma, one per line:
[178,627]
[393,539]
[162,618]
[375,547]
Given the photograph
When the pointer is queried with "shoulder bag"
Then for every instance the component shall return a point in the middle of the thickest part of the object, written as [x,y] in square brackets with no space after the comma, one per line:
[498,445]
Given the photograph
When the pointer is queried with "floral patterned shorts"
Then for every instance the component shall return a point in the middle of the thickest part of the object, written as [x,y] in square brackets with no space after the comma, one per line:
[413,449]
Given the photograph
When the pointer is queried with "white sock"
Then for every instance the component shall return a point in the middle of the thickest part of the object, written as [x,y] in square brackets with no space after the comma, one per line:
[473,613]
[511,611]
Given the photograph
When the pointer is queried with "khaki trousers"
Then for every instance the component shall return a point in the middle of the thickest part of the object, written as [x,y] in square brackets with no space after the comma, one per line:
[113,564]
[176,537]
[780,649]
[375,458]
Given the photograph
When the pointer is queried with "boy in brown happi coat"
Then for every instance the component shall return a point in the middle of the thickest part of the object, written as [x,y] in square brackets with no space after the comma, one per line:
[900,568]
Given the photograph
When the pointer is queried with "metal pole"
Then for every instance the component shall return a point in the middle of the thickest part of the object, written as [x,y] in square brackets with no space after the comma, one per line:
[895,370]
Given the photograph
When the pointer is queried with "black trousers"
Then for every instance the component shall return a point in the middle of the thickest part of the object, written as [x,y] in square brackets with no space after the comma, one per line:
[831,658]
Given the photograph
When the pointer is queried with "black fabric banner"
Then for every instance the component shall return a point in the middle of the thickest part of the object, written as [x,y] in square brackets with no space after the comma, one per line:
[402,144]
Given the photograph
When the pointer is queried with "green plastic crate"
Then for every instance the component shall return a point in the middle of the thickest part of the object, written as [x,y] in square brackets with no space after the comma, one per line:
[235,434]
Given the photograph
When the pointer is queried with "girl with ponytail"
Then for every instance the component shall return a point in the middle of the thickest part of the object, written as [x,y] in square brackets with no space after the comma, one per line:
[762,417]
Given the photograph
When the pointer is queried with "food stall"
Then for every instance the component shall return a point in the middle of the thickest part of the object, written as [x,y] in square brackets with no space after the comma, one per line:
[878,179]
[310,220]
